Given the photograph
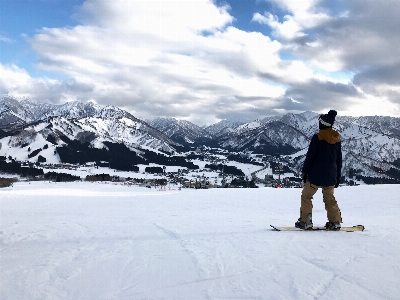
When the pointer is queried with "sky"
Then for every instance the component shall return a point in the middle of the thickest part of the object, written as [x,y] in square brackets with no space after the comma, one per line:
[203,60]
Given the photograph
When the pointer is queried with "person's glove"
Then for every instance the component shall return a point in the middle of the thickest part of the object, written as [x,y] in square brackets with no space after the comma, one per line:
[304,178]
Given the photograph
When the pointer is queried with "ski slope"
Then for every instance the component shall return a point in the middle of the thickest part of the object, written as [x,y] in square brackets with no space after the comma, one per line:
[103,241]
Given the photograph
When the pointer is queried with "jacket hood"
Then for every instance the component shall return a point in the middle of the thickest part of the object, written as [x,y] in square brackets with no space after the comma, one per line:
[329,135]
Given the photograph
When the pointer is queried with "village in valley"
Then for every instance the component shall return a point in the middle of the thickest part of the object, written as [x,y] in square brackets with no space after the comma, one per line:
[212,169]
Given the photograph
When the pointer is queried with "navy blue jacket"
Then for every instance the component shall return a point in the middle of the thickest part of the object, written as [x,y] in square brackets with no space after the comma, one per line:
[323,164]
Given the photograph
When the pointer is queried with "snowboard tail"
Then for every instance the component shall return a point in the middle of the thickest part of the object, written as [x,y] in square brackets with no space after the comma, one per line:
[319,228]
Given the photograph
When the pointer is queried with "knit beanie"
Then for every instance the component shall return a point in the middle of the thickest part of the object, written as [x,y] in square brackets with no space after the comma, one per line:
[326,121]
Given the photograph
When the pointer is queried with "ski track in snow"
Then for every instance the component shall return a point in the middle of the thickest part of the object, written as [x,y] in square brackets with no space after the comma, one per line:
[97,241]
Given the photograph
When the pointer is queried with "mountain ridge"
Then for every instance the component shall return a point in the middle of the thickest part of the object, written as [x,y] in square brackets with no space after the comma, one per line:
[370,145]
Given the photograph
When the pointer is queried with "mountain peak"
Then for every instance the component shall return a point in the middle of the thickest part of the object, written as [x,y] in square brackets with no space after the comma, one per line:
[308,115]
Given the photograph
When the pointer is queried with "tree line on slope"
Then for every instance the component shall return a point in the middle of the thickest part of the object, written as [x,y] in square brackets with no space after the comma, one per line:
[118,156]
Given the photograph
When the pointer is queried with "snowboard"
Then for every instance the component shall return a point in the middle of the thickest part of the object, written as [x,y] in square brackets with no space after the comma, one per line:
[317,228]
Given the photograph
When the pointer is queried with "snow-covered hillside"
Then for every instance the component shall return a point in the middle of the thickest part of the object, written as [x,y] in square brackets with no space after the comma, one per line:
[102,241]
[180,131]
[223,127]
[19,112]
[31,125]
[371,145]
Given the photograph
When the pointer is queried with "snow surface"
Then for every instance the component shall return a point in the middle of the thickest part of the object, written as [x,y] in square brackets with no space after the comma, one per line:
[106,241]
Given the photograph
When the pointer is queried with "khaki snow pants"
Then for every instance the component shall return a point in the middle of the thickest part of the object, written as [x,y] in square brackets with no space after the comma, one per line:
[331,206]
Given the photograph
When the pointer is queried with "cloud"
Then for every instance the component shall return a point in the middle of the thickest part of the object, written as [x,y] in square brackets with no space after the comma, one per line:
[381,81]
[172,20]
[316,95]
[358,37]
[302,15]
[363,33]
[186,59]
[371,77]
[348,99]
[12,78]
[6,39]
[17,82]
[165,65]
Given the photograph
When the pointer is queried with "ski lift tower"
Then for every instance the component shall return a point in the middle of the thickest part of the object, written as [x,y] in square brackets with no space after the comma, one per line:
[279,169]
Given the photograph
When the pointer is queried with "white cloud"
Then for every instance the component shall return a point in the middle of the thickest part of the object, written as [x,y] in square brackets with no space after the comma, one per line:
[302,17]
[288,29]
[129,58]
[295,5]
[6,39]
[186,59]
[371,105]
[12,79]
[17,82]
[170,20]
[361,34]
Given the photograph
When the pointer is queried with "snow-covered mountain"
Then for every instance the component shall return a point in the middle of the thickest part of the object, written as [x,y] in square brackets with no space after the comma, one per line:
[268,136]
[30,130]
[223,127]
[182,131]
[370,145]
[16,113]
[27,126]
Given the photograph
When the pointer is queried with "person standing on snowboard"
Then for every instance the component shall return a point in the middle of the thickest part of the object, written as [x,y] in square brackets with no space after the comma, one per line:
[322,168]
